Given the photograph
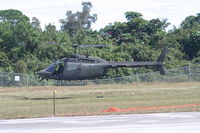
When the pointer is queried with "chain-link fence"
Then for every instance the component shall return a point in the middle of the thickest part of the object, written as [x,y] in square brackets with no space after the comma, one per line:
[187,73]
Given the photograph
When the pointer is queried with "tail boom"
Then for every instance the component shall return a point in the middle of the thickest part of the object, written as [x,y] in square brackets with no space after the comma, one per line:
[133,64]
[158,64]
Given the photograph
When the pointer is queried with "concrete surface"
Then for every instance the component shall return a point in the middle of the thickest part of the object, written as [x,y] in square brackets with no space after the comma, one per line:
[135,123]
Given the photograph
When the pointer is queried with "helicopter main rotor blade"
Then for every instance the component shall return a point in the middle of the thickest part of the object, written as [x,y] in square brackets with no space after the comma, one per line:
[81,46]
[84,46]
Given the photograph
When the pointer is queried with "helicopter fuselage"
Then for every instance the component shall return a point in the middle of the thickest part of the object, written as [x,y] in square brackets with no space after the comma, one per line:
[76,68]
[79,67]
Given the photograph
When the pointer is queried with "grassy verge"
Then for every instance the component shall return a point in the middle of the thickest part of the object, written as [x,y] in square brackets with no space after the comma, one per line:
[26,102]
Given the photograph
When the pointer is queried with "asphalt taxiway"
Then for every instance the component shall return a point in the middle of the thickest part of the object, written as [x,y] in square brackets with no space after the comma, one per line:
[186,122]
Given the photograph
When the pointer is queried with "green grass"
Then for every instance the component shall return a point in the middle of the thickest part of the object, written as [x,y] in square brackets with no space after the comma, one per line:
[93,99]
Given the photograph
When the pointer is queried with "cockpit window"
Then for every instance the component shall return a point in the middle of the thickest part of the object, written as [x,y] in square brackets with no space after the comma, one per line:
[59,67]
[55,66]
[51,68]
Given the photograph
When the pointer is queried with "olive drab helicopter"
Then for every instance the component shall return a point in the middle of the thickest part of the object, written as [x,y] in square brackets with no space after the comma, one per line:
[82,67]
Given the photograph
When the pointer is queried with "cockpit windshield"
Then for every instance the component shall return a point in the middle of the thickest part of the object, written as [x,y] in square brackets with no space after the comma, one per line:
[51,68]
[55,66]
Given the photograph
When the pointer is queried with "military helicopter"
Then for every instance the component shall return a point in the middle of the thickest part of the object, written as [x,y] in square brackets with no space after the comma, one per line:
[82,67]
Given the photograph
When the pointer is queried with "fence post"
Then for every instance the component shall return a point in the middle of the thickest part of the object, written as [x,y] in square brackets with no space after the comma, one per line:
[27,80]
[54,102]
[164,79]
[189,71]
[136,76]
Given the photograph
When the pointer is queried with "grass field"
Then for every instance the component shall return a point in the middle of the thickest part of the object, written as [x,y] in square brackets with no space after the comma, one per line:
[26,102]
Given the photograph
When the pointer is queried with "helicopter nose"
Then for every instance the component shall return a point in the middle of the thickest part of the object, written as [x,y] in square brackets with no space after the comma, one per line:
[44,73]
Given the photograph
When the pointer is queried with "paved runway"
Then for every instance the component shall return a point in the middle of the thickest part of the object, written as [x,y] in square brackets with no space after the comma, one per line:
[134,123]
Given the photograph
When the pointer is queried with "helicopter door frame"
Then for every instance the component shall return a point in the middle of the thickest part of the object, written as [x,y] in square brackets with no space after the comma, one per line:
[60,70]
[73,70]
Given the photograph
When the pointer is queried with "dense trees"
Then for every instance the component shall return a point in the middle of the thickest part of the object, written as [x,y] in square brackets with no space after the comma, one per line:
[26,48]
[79,20]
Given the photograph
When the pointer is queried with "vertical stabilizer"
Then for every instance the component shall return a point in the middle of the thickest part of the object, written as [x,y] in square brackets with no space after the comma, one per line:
[162,56]
[161,59]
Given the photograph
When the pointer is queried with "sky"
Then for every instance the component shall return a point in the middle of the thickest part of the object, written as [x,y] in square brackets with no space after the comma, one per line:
[108,11]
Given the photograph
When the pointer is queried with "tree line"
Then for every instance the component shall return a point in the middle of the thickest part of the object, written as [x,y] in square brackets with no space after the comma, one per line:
[27,48]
